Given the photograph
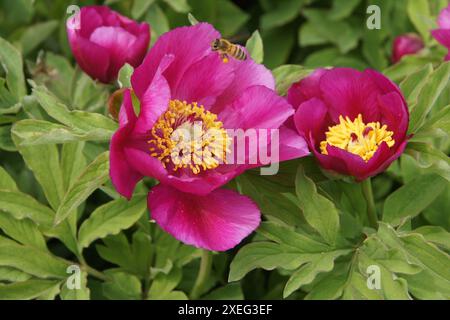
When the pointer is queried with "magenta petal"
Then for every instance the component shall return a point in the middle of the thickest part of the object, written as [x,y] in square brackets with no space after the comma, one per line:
[124,177]
[292,145]
[355,165]
[257,107]
[305,89]
[349,92]
[246,74]
[140,46]
[312,117]
[442,36]
[444,18]
[186,44]
[204,81]
[218,221]
[394,114]
[155,100]
[92,58]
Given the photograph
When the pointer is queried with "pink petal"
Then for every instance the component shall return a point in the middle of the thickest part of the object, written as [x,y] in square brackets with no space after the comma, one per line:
[187,44]
[444,18]
[140,46]
[305,89]
[218,221]
[247,74]
[394,114]
[442,36]
[92,58]
[204,81]
[124,177]
[257,107]
[349,92]
[312,118]
[155,100]
[292,145]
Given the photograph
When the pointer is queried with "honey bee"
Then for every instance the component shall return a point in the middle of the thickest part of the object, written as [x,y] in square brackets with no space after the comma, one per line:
[226,48]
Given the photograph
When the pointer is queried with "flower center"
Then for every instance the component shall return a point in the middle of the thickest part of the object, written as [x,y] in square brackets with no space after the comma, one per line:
[187,136]
[357,137]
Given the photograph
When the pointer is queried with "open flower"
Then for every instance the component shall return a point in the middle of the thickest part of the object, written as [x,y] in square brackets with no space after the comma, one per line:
[406,44]
[355,122]
[102,41]
[442,34]
[185,87]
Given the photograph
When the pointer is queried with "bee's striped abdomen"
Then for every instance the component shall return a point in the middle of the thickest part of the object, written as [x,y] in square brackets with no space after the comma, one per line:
[238,53]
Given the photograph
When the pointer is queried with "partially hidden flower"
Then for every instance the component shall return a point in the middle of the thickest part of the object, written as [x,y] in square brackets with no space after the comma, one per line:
[102,41]
[442,34]
[406,44]
[183,85]
[355,122]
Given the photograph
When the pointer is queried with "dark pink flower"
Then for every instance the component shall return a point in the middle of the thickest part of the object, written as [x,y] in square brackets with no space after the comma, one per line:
[406,44]
[102,41]
[355,122]
[442,34]
[180,83]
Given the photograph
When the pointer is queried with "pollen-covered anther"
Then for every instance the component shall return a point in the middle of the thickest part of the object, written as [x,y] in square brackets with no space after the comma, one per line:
[189,137]
[357,137]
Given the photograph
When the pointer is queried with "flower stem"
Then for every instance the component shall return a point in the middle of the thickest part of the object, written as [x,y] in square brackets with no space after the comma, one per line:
[203,275]
[371,210]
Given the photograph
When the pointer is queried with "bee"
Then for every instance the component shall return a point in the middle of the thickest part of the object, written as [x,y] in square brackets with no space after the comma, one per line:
[226,48]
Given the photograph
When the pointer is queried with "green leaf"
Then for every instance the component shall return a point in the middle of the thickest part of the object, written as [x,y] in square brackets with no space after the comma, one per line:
[307,272]
[13,275]
[34,35]
[90,179]
[429,95]
[21,206]
[412,198]
[265,255]
[158,20]
[192,20]
[6,182]
[124,78]
[254,46]
[419,14]
[343,9]
[26,290]
[288,74]
[11,60]
[163,284]
[82,293]
[181,6]
[435,234]
[39,132]
[232,291]
[43,160]
[24,231]
[284,12]
[318,211]
[122,286]
[111,218]
[93,123]
[72,162]
[140,7]
[31,260]
[412,86]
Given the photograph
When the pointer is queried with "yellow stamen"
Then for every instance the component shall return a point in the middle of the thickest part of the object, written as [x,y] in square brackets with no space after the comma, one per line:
[357,137]
[187,136]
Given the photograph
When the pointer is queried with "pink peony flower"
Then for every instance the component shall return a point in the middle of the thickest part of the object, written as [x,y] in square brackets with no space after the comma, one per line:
[102,41]
[405,45]
[442,34]
[182,82]
[355,122]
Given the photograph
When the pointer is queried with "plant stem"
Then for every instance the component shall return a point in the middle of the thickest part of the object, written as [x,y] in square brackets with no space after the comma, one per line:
[371,210]
[203,275]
